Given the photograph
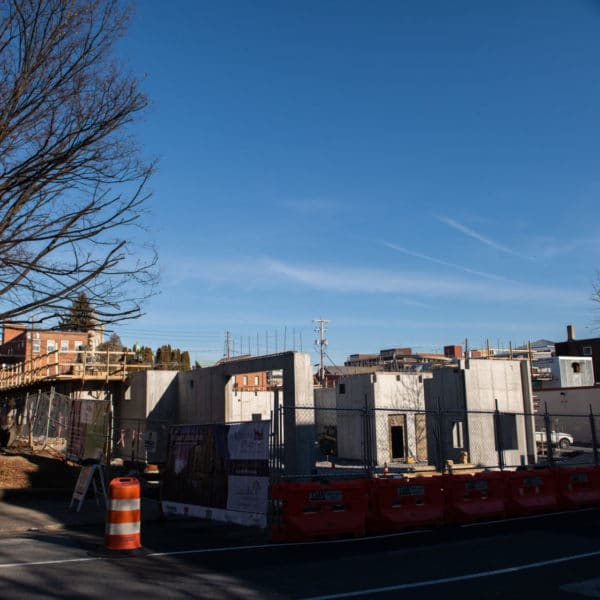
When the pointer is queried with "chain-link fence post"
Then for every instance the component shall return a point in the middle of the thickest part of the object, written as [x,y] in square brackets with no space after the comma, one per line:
[441,467]
[548,427]
[48,416]
[594,437]
[109,431]
[29,423]
[367,437]
[499,437]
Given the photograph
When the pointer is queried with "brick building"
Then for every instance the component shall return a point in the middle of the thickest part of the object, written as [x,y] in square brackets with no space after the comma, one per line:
[21,343]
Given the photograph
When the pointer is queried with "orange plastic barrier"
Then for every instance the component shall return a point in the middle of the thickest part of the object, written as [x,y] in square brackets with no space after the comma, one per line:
[530,492]
[319,510]
[398,504]
[578,486]
[475,497]
[123,516]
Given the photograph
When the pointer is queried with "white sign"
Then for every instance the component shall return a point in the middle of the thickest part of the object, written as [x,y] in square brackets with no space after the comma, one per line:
[249,441]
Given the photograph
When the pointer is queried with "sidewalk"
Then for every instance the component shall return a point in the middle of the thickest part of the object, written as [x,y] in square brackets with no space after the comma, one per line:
[26,511]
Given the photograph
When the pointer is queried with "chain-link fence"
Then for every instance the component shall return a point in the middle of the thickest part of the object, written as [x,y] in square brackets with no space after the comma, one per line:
[72,428]
[312,441]
[140,440]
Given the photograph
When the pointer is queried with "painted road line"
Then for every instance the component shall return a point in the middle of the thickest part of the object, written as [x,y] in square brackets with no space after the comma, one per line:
[529,517]
[204,550]
[37,563]
[456,579]
[289,544]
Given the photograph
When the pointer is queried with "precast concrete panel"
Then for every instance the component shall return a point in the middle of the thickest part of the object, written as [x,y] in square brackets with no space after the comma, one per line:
[488,382]
[354,392]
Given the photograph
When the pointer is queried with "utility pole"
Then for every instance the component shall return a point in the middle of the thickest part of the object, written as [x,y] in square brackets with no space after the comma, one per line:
[227,345]
[321,329]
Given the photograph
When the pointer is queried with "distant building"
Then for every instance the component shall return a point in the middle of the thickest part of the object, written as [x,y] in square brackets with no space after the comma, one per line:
[453,351]
[589,347]
[565,372]
[398,359]
[21,343]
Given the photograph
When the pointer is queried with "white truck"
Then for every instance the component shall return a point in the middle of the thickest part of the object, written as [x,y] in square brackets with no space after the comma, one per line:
[557,438]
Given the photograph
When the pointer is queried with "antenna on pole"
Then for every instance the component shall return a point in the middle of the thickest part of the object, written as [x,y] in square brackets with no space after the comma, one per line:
[227,345]
[321,329]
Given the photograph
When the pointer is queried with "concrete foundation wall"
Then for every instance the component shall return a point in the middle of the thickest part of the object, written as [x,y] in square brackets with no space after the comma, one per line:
[246,404]
[392,398]
[325,413]
[487,381]
[150,394]
[457,392]
[402,391]
[358,390]
[206,396]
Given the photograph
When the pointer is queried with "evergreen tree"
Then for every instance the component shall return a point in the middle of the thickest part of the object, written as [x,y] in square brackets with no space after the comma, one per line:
[81,315]
[147,355]
[113,344]
[174,359]
[185,364]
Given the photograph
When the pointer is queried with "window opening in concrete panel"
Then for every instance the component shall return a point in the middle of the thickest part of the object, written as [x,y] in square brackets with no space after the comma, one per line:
[458,440]
[342,388]
[576,367]
[506,431]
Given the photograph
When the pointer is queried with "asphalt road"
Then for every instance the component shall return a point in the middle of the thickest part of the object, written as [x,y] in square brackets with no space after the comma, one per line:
[555,556]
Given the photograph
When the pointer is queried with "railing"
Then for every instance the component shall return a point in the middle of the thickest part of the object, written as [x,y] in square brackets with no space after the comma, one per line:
[82,364]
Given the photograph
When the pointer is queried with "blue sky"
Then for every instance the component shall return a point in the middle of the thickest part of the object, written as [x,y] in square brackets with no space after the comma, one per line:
[417,173]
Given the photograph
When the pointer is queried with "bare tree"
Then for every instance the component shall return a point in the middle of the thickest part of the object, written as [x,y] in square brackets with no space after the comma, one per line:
[71,178]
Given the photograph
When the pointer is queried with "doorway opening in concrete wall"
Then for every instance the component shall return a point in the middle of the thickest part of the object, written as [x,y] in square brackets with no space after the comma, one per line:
[397,437]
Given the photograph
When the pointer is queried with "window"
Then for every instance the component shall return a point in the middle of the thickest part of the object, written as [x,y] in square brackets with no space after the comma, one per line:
[458,440]
[342,388]
[256,380]
[506,431]
[587,350]
[78,345]
[256,416]
[576,367]
[64,345]
[35,347]
[50,346]
[245,379]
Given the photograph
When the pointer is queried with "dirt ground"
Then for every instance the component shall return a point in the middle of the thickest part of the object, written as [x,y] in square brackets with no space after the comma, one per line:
[20,468]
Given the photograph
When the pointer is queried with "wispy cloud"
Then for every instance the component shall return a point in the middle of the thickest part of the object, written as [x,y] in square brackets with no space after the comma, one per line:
[443,263]
[354,280]
[477,236]
[549,247]
[251,274]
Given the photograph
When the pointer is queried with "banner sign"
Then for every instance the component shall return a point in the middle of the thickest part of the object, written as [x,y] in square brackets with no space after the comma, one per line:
[218,471]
